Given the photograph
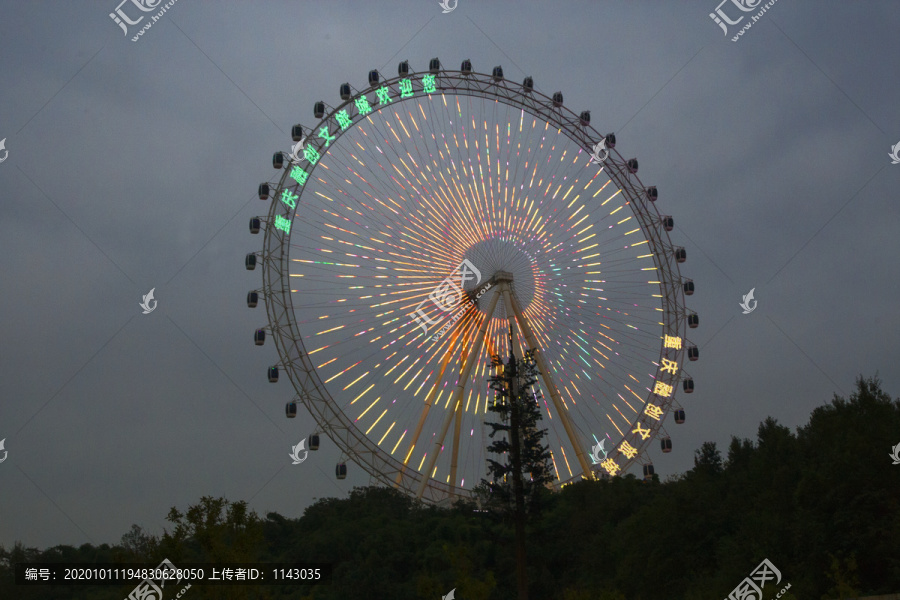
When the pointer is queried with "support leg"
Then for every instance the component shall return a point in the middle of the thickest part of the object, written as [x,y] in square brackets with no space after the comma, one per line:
[544,369]
[457,396]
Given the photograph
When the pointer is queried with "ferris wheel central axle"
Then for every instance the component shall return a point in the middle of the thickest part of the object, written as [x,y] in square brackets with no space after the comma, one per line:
[501,281]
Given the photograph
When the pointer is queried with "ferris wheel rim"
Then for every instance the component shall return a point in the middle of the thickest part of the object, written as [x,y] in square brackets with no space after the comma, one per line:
[312,391]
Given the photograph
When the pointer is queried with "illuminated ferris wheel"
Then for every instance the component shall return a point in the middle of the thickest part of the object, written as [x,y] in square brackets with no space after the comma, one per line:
[425,218]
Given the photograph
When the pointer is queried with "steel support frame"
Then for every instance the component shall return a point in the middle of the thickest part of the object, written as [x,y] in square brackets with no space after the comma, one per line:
[279,307]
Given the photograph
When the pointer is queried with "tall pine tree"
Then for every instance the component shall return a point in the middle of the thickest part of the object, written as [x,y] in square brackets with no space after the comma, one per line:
[521,478]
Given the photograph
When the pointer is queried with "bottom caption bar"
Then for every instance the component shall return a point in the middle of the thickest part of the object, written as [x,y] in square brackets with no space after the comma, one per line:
[167,574]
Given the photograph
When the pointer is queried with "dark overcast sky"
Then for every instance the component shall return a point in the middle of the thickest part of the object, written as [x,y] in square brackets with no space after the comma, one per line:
[134,166]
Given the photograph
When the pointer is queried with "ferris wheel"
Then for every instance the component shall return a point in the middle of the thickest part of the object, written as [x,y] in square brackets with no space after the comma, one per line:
[433,219]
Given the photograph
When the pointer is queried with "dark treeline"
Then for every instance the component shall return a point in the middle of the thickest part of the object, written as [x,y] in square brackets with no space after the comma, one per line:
[822,504]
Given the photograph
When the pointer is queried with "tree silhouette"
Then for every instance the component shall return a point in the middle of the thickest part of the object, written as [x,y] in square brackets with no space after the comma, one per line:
[525,472]
[821,502]
[520,450]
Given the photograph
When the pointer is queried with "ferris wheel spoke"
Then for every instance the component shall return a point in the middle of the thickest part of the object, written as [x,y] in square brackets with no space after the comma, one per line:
[457,394]
[432,392]
[551,388]
[454,449]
